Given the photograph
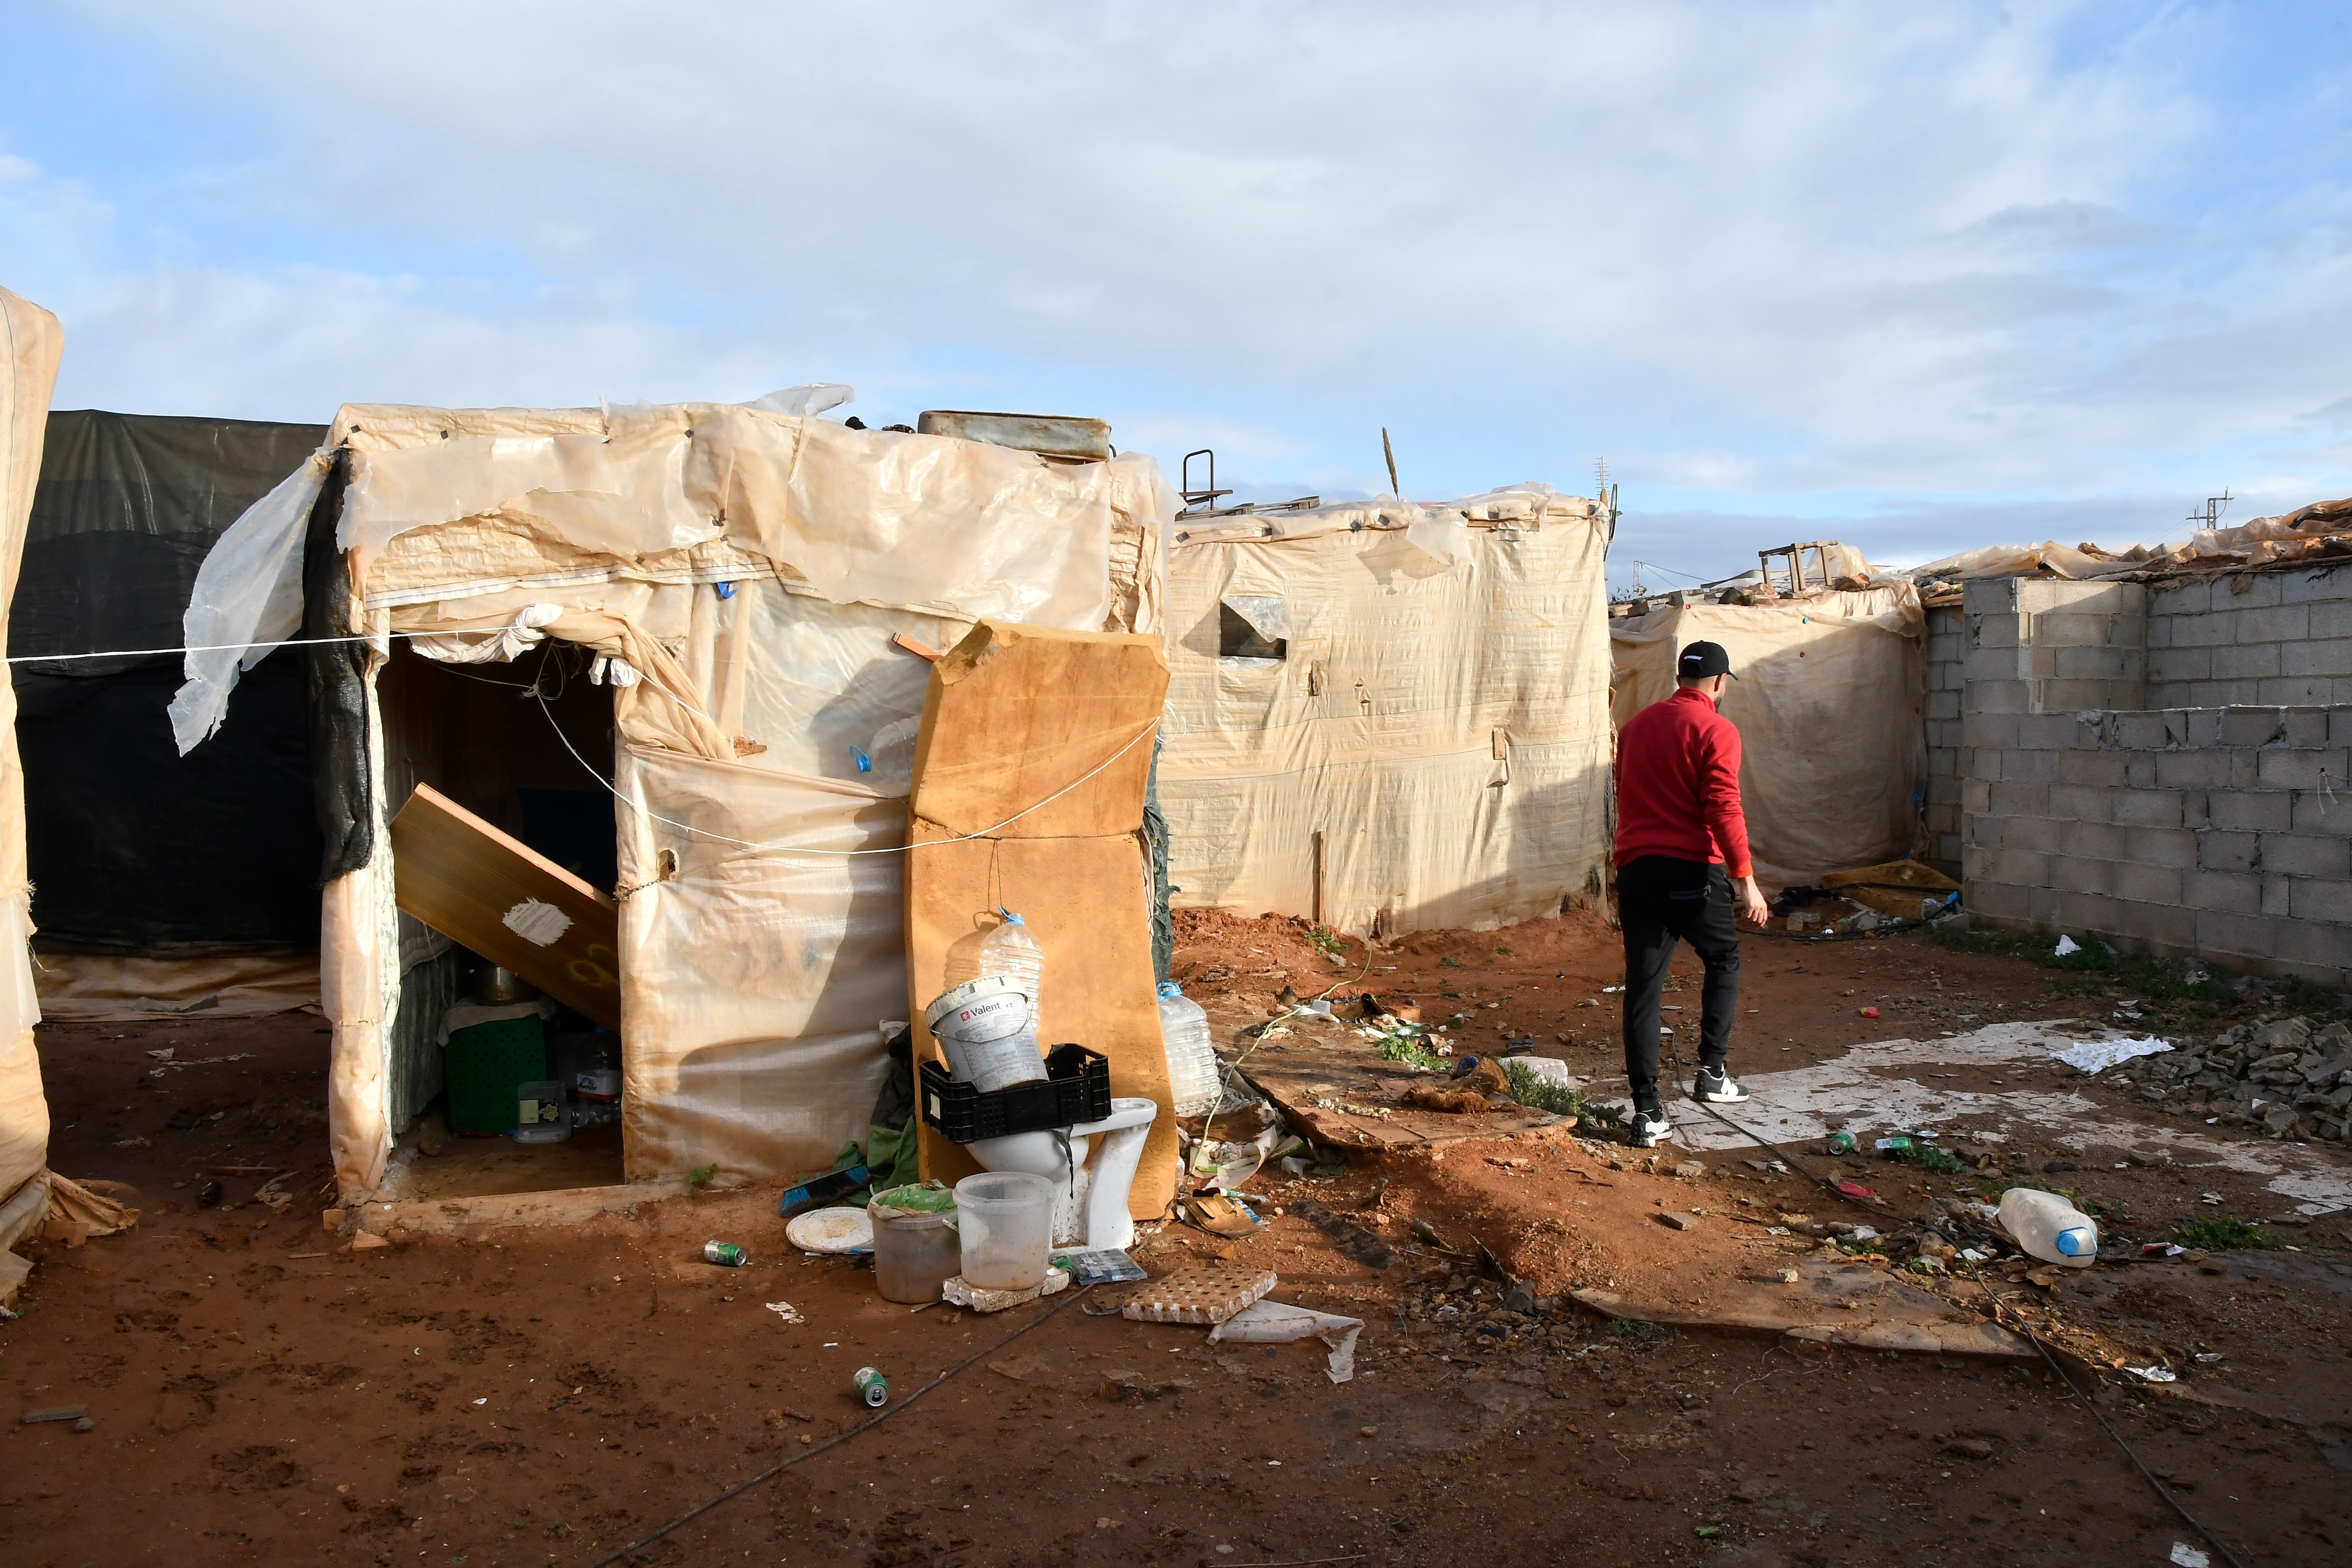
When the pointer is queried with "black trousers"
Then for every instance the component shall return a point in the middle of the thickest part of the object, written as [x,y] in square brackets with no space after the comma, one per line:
[1660,901]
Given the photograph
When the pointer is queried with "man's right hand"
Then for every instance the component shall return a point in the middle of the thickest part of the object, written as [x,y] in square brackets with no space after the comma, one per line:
[1752,904]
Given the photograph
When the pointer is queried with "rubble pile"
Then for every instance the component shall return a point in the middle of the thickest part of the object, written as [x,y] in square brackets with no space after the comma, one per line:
[2284,1076]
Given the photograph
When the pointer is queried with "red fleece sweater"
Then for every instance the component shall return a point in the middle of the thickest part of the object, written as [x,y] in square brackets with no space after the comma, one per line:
[1678,785]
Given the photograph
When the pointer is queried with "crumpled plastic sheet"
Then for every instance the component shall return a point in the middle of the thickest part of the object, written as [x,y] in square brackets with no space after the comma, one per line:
[248,597]
[2098,1055]
[1267,1323]
[501,646]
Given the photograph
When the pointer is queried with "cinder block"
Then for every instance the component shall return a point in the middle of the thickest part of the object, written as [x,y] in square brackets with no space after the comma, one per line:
[2204,769]
[1984,763]
[2140,732]
[2034,767]
[2324,585]
[2282,623]
[1986,831]
[2319,943]
[1997,696]
[1981,729]
[2254,811]
[2147,884]
[2246,661]
[2331,658]
[2022,799]
[1944,705]
[2331,621]
[2192,598]
[2232,892]
[2038,834]
[2145,808]
[2281,769]
[2079,803]
[1987,633]
[1949,733]
[2042,663]
[2156,633]
[2221,851]
[2288,691]
[2195,726]
[1976,796]
[2203,631]
[2246,591]
[1995,898]
[2170,693]
[2313,813]
[2170,664]
[2306,855]
[2306,727]
[2167,925]
[2228,693]
[2249,936]
[2078,696]
[2339,726]
[2060,629]
[2102,770]
[2277,894]
[2139,769]
[2174,848]
[2056,732]
[2022,868]
[1996,663]
[2252,727]
[2042,906]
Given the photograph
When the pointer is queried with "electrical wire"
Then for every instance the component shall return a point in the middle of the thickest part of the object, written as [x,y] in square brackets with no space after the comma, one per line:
[651,814]
[2031,1338]
[739,1487]
[210,647]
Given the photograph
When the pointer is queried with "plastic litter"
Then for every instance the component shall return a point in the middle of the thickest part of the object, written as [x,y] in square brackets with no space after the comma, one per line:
[985,1026]
[2067,944]
[832,1232]
[1279,1322]
[2098,1055]
[2048,1227]
[1192,1077]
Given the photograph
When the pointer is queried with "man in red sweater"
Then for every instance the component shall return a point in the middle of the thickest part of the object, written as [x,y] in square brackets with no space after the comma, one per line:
[1682,871]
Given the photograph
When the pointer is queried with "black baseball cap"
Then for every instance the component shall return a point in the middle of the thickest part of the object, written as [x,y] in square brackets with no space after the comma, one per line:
[1701,659]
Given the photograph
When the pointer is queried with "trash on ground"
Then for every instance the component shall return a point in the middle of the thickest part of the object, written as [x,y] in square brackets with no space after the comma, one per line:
[871,1387]
[725,1254]
[2048,1227]
[981,1301]
[53,1413]
[2187,1556]
[787,1311]
[2153,1373]
[1198,1293]
[1220,1214]
[1097,1265]
[832,1232]
[1279,1322]
[2067,945]
[819,1189]
[2097,1056]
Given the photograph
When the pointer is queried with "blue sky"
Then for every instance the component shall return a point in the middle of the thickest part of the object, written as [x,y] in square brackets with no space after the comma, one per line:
[1918,277]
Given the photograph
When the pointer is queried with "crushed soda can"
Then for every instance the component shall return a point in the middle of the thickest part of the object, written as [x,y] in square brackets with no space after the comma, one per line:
[725,1254]
[1839,1143]
[871,1387]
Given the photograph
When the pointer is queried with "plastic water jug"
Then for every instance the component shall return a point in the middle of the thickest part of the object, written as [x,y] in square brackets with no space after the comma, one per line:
[2048,1227]
[1010,952]
[1191,1060]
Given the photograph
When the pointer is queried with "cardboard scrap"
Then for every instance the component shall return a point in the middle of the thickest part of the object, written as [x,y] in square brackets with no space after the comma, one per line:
[979,1301]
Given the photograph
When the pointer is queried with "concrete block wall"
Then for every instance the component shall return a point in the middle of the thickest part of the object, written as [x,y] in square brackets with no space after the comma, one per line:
[2219,833]
[2268,638]
[1947,825]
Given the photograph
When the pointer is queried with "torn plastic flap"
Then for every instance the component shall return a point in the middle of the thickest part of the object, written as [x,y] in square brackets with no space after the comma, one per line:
[1441,535]
[1266,1322]
[247,595]
[1268,615]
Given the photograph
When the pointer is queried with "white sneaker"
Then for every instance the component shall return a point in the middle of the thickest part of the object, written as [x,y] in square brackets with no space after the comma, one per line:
[1713,1088]
[1648,1129]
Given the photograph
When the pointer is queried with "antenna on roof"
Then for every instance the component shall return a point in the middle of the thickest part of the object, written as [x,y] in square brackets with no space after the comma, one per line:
[1389,453]
[2214,507]
[1601,477]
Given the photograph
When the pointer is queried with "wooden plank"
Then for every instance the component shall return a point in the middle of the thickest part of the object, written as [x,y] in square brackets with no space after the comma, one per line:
[492,893]
[1310,1082]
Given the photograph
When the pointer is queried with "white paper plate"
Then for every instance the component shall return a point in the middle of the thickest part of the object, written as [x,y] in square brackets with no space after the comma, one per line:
[832,1230]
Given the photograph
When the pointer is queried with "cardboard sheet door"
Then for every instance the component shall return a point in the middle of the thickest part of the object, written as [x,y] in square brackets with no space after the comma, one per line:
[1015,715]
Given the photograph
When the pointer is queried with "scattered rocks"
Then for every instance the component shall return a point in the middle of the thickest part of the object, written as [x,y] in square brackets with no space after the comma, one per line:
[1673,1221]
[1969,1447]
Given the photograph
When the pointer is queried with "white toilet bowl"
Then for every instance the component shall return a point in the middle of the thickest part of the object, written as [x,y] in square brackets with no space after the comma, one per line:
[1090,1202]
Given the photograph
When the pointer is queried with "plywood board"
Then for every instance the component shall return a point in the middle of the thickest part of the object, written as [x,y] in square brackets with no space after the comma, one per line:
[1016,715]
[1832,1303]
[491,892]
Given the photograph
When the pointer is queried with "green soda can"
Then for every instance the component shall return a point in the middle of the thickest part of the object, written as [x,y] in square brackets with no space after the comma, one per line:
[871,1387]
[1840,1144]
[725,1254]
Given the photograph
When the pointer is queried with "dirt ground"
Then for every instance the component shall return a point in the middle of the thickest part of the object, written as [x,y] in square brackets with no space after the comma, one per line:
[259,1392]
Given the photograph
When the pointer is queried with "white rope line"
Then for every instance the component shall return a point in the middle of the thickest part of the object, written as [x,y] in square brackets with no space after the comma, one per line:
[643,810]
[213,648]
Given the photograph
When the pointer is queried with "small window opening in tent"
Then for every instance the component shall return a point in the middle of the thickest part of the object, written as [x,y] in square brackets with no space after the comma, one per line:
[1254,626]
[525,747]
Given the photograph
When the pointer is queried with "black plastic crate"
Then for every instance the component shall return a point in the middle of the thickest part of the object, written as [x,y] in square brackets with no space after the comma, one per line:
[1076,1089]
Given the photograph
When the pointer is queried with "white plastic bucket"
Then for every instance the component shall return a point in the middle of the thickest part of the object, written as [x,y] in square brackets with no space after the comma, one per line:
[984,1027]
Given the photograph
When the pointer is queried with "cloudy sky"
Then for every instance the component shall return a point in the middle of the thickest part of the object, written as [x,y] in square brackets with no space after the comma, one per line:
[1919,277]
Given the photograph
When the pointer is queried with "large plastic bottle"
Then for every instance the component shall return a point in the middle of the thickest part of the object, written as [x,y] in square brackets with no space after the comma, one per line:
[2048,1227]
[1191,1058]
[1010,952]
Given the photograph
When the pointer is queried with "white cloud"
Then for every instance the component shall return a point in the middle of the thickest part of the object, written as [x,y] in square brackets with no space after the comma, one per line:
[1797,251]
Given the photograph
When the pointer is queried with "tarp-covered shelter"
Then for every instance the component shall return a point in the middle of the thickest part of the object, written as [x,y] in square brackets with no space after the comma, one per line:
[160,881]
[1828,704]
[738,577]
[1390,715]
[30,342]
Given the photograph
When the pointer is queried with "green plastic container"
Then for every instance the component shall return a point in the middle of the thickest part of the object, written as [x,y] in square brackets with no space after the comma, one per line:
[486,1066]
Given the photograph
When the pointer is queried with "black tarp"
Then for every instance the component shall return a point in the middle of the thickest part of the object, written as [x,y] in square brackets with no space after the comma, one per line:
[133,848]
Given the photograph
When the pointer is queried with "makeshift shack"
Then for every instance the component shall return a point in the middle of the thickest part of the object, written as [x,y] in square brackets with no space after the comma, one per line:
[160,883]
[1829,703]
[1388,716]
[716,617]
[30,342]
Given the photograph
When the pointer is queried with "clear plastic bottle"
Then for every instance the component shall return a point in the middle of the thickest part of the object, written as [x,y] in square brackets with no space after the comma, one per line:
[1191,1058]
[1010,952]
[2048,1227]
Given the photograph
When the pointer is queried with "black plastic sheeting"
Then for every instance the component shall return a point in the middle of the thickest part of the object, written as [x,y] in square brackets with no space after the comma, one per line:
[134,849]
